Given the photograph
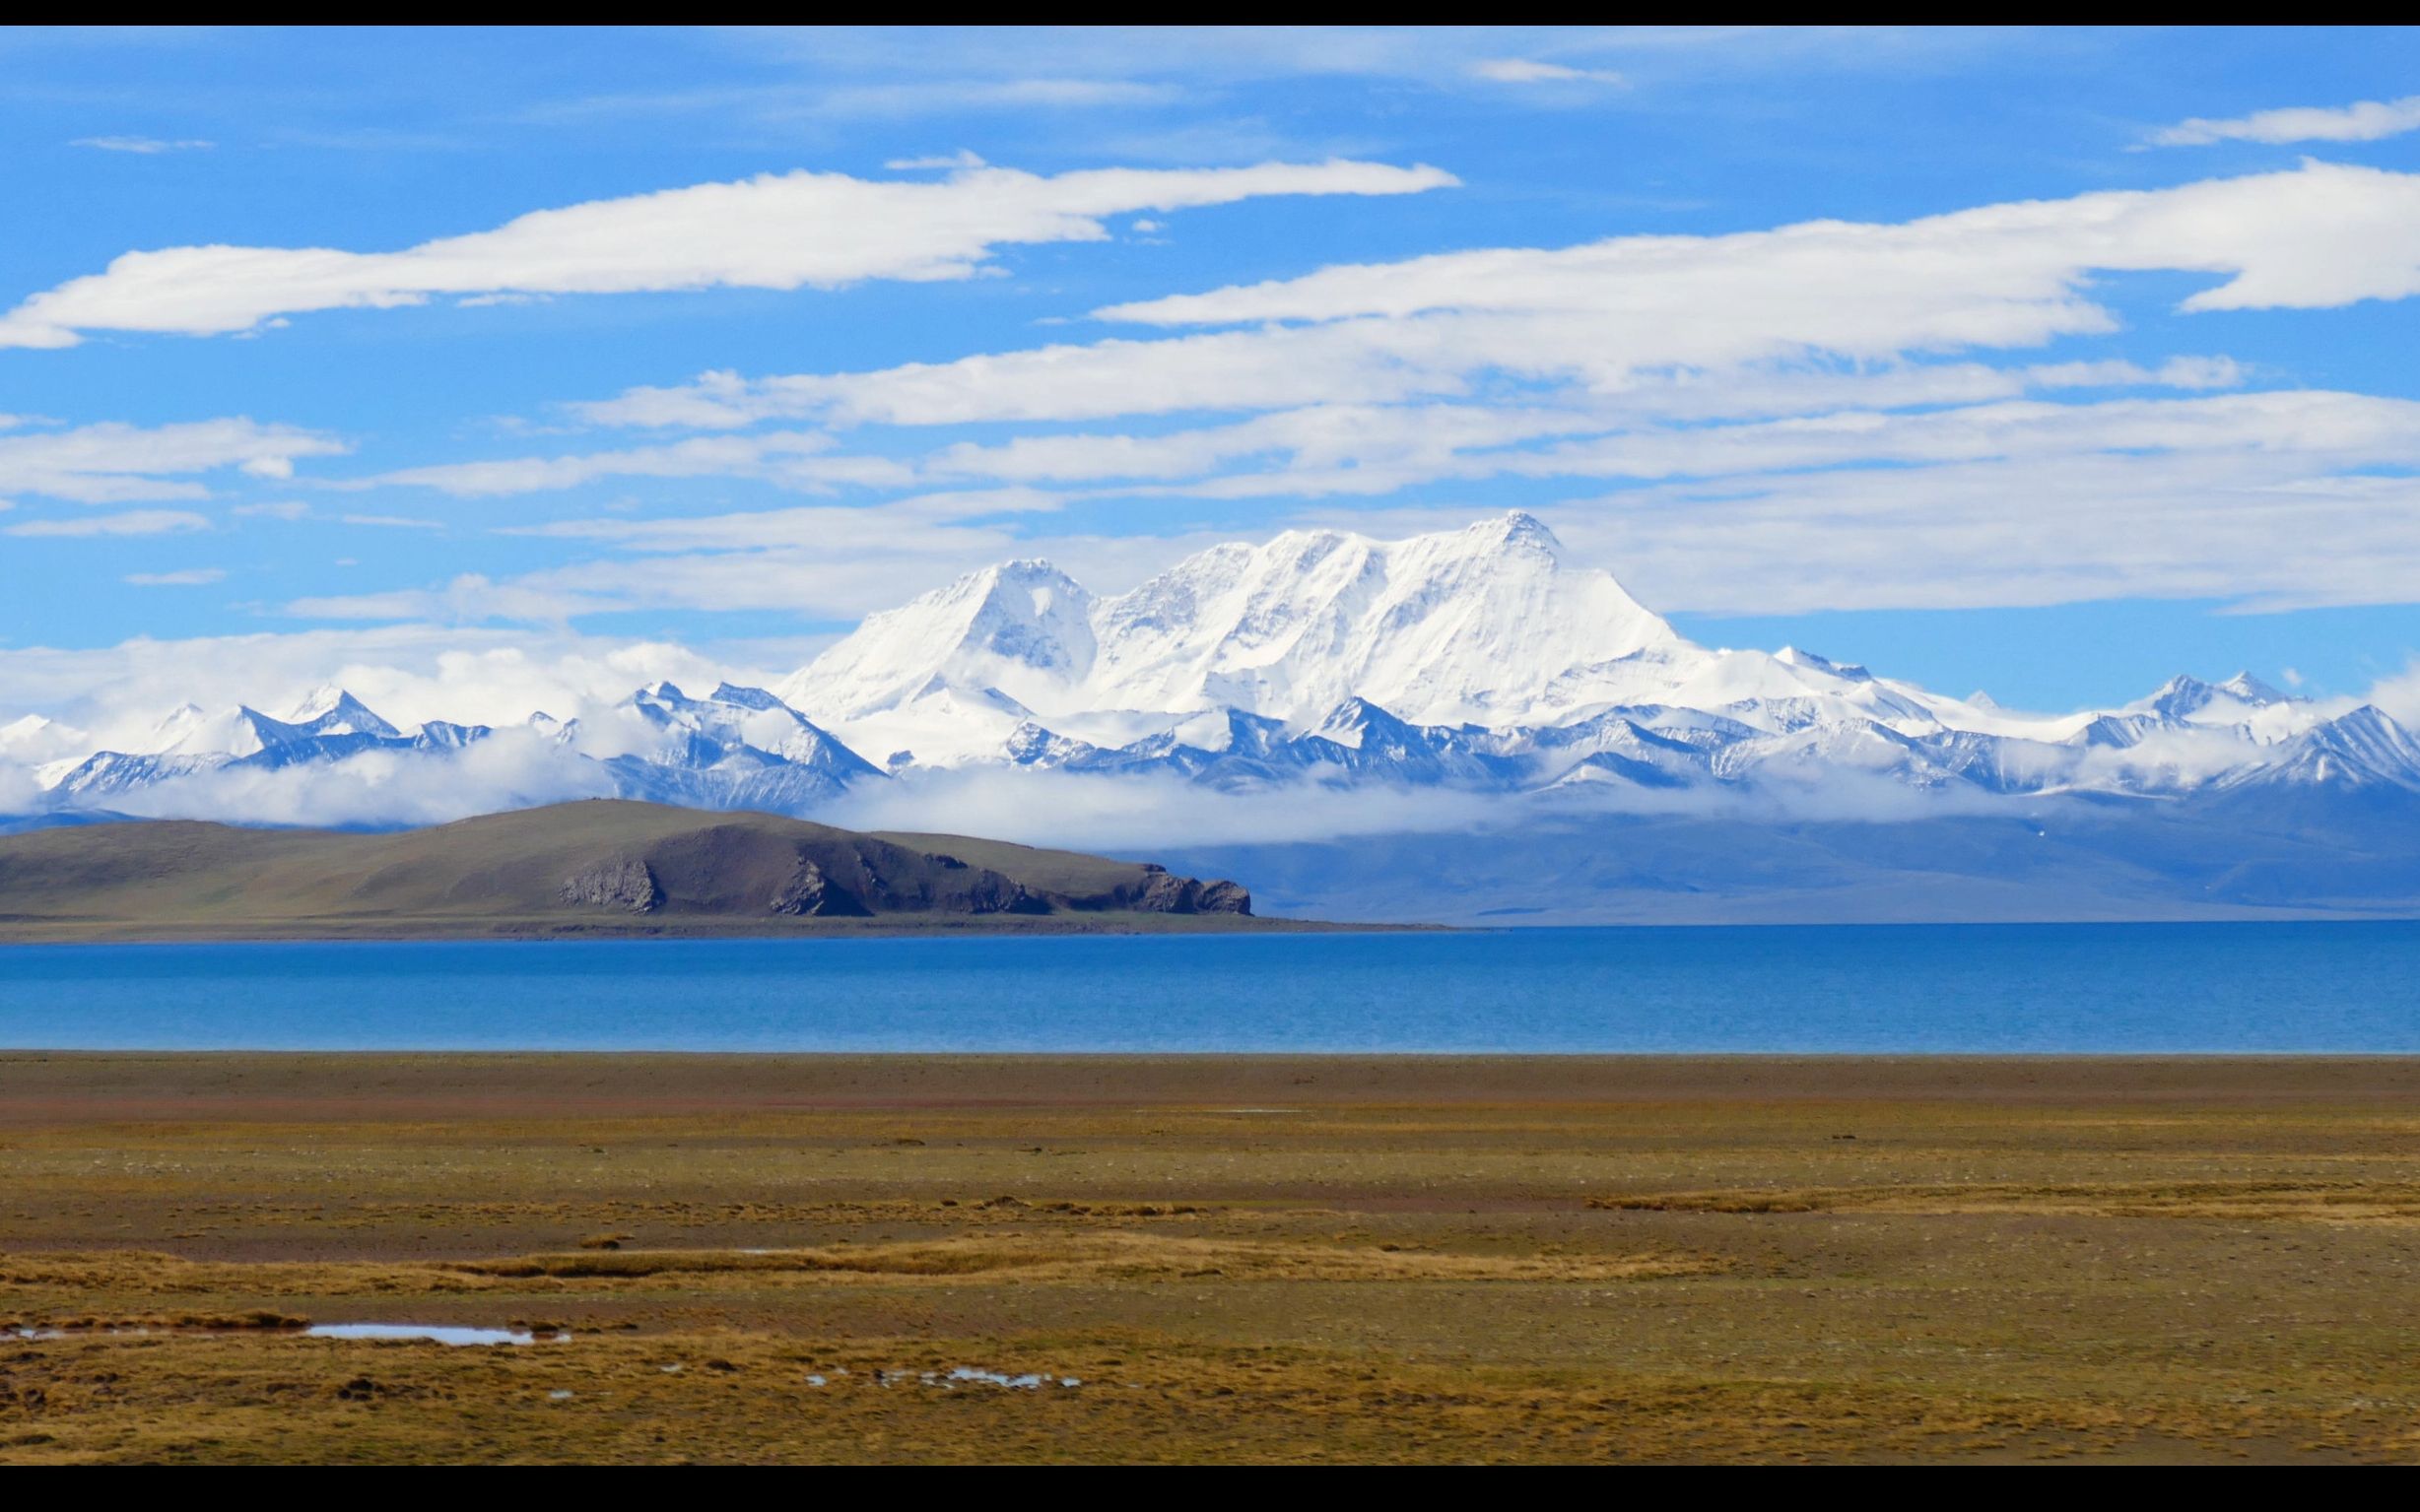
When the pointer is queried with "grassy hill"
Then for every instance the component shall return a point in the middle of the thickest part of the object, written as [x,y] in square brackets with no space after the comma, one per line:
[597,867]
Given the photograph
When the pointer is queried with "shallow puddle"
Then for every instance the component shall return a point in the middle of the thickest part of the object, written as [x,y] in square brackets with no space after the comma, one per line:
[1013,1382]
[431,1333]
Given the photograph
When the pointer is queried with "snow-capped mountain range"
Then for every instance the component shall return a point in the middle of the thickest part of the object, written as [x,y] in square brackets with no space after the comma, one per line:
[1482,658]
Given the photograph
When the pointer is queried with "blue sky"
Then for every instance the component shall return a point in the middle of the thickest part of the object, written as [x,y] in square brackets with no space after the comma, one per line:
[2044,362]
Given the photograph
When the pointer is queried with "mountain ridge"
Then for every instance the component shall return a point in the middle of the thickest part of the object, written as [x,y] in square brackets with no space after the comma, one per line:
[1482,662]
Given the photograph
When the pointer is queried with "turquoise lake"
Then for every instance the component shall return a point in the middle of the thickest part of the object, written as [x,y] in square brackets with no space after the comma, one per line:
[2295,987]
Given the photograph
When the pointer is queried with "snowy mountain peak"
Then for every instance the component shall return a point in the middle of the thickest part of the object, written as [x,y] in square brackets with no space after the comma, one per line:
[2366,747]
[1491,621]
[35,738]
[1023,627]
[744,698]
[1358,723]
[2189,698]
[1484,658]
[330,710]
[1519,530]
[1793,656]
[2247,689]
[323,699]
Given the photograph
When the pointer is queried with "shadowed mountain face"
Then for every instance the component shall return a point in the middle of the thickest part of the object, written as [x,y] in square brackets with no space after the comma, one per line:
[597,865]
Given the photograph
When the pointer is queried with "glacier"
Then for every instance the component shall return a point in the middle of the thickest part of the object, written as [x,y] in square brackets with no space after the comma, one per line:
[1478,661]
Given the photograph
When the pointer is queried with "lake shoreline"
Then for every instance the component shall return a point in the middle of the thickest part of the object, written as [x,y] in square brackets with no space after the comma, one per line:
[893,926]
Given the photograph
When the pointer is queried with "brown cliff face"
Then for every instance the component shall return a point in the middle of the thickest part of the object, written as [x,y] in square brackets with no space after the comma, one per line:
[1164,893]
[620,884]
[740,866]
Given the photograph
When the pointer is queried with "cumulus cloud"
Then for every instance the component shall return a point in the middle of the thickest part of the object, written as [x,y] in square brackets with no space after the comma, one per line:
[2367,121]
[777,231]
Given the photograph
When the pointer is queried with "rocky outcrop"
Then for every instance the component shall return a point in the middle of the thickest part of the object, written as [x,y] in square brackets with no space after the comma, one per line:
[1224,896]
[1163,891]
[807,892]
[622,883]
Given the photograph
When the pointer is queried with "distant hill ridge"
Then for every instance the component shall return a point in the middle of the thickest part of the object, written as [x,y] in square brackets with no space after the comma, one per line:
[598,866]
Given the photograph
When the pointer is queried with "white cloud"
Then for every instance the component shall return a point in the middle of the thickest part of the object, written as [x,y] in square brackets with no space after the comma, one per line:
[1130,814]
[926,96]
[143,146]
[1784,409]
[2322,236]
[113,463]
[817,562]
[1365,449]
[2397,695]
[2367,121]
[2023,530]
[2272,497]
[1223,370]
[471,598]
[187,577]
[786,230]
[512,769]
[961,159]
[409,672]
[789,459]
[1085,811]
[391,522]
[1532,71]
[132,522]
[1613,315]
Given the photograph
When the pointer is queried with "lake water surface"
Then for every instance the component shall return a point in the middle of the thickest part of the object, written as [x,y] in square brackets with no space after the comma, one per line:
[1915,988]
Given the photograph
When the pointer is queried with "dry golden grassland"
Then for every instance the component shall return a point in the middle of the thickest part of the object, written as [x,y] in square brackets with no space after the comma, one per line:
[783,1257]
